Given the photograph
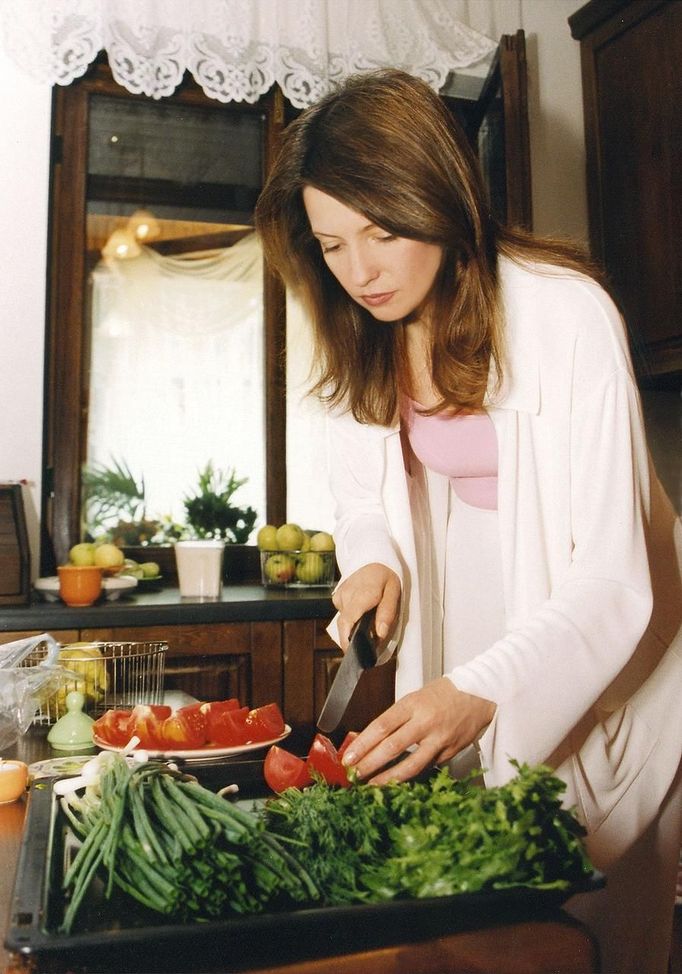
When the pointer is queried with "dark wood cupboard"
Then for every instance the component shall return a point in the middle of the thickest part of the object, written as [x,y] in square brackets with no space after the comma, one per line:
[291,662]
[631,53]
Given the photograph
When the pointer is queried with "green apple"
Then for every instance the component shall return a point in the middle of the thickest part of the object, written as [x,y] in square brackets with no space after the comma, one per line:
[289,537]
[266,539]
[108,556]
[150,569]
[280,568]
[310,568]
[82,554]
[322,542]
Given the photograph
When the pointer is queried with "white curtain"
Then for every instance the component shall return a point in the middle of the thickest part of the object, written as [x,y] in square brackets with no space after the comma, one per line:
[237,49]
[177,356]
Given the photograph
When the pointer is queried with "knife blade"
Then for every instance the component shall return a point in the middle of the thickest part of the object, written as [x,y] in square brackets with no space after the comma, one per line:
[364,651]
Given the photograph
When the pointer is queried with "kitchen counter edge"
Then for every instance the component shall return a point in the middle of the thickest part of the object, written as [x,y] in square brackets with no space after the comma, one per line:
[238,603]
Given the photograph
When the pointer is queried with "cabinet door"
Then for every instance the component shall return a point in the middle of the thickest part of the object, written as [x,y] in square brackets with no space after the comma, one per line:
[633,133]
[311,659]
[215,661]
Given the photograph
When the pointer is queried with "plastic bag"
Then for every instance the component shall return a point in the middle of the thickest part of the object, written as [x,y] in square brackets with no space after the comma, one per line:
[22,688]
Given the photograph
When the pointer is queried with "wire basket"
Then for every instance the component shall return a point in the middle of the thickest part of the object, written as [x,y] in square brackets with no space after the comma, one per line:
[111,675]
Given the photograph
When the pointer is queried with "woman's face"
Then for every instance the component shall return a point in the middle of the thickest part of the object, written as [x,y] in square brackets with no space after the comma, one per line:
[389,276]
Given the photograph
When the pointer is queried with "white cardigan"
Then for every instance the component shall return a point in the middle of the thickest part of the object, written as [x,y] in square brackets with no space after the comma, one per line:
[588,676]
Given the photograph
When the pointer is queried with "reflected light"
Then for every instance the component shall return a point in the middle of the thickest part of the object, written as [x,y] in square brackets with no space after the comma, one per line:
[121,245]
[144,225]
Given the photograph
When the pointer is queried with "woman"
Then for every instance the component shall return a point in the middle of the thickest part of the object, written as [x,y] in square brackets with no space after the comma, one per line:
[495,499]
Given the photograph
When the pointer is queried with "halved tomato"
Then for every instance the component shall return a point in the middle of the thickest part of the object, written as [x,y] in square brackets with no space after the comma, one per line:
[228,728]
[284,770]
[186,728]
[265,723]
[145,721]
[112,727]
[324,758]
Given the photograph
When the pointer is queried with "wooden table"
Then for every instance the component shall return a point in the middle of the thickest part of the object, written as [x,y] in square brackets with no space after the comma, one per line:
[552,944]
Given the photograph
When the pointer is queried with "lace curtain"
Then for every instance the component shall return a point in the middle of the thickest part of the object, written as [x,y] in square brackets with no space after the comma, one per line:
[237,49]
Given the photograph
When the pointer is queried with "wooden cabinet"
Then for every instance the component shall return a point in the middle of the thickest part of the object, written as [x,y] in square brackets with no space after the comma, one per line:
[61,635]
[311,659]
[631,53]
[289,662]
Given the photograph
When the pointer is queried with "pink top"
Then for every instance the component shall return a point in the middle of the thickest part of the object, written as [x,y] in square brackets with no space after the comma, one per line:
[462,447]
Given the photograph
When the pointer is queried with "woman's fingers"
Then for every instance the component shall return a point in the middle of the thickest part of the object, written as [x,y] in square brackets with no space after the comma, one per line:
[433,724]
[372,585]
[387,609]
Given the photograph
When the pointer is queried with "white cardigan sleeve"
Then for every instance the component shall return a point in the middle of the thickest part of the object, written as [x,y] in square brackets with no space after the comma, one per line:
[547,672]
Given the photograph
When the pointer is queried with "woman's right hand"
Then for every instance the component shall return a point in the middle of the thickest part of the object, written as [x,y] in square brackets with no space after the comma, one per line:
[369,586]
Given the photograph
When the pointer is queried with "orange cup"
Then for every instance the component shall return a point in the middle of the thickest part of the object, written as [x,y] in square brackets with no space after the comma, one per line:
[80,585]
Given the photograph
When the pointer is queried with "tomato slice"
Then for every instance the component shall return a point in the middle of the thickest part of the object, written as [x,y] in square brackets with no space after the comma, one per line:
[184,729]
[284,770]
[145,721]
[265,723]
[324,758]
[348,740]
[112,727]
[228,728]
[212,711]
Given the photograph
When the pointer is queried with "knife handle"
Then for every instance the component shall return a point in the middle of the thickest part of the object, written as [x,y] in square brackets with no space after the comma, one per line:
[365,637]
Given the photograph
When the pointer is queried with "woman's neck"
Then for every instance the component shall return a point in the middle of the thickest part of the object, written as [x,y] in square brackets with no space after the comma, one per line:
[418,354]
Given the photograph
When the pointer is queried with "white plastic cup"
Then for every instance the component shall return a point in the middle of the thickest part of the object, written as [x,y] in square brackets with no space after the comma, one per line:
[200,568]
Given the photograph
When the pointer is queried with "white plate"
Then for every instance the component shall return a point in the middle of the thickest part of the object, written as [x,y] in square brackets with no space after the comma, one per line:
[200,753]
[113,587]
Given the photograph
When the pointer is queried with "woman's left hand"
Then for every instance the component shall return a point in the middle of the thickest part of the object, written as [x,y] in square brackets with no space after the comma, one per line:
[440,719]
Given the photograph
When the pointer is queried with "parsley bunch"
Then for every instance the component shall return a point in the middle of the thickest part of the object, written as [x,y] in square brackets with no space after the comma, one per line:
[434,838]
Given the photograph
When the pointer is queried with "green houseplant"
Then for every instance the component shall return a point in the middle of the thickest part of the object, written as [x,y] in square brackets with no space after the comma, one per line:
[211,512]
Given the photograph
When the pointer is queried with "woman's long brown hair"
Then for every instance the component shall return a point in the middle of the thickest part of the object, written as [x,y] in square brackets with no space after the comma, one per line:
[385,145]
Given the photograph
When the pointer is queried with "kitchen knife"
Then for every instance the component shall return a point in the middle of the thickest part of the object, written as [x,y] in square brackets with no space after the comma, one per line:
[365,651]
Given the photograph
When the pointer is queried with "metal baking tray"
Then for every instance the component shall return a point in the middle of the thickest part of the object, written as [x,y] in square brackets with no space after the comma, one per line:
[118,935]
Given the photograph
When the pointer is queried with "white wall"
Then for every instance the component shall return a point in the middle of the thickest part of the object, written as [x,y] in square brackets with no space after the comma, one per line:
[559,205]
[24,162]
[555,111]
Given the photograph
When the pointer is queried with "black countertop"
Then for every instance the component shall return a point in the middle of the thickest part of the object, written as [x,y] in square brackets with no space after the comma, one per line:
[165,607]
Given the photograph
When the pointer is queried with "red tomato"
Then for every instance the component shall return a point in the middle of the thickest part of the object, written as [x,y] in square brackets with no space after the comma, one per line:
[324,758]
[112,727]
[145,721]
[348,739]
[212,711]
[265,723]
[228,728]
[186,728]
[284,770]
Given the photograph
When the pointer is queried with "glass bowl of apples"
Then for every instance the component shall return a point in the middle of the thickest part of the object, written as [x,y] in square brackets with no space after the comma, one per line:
[291,557]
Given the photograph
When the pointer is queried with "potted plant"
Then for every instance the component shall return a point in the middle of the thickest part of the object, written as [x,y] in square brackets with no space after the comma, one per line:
[211,513]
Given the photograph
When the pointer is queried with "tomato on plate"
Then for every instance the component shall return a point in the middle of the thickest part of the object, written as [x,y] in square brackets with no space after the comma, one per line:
[284,770]
[228,728]
[212,711]
[145,721]
[112,727]
[186,728]
[324,758]
[265,723]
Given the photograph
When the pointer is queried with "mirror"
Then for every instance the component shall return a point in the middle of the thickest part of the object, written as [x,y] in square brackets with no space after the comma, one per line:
[163,345]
